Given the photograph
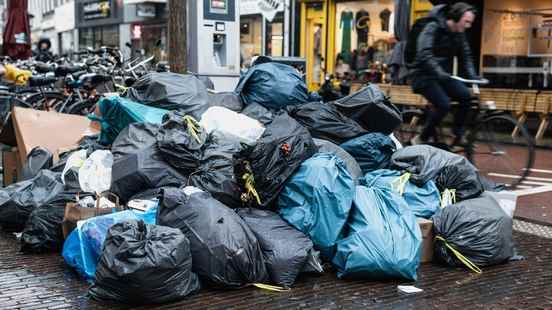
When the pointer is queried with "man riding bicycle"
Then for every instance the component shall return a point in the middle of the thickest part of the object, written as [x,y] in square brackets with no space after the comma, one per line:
[432,45]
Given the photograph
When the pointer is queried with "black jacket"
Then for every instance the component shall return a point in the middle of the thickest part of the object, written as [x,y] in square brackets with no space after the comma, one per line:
[436,47]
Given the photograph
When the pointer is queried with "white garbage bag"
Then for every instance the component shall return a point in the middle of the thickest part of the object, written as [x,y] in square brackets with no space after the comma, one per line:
[228,122]
[95,173]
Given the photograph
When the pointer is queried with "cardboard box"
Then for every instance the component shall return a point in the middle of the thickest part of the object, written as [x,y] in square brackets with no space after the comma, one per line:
[426,226]
[11,166]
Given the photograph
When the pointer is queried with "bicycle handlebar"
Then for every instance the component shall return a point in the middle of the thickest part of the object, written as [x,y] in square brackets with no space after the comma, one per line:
[479,82]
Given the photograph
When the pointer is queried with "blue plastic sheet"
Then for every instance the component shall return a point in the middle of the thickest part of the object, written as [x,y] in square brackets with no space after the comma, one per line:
[83,247]
[384,239]
[423,200]
[273,85]
[117,113]
[316,200]
[372,151]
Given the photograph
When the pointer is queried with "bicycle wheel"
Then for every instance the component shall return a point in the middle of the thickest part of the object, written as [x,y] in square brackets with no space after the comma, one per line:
[501,151]
[413,120]
[49,101]
[84,107]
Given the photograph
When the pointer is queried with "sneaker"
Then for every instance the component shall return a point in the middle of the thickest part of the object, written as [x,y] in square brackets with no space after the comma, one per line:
[417,140]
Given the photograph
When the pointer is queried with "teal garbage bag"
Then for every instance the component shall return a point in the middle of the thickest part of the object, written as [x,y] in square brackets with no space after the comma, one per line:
[272,85]
[117,113]
[383,238]
[316,200]
[372,151]
[424,200]
[83,248]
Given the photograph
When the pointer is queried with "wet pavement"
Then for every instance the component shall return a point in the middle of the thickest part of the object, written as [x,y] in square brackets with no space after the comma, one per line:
[44,282]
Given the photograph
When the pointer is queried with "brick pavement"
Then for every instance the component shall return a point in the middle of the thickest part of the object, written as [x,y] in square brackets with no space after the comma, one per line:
[44,282]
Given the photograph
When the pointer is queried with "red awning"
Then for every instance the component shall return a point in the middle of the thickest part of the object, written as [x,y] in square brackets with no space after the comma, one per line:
[17,32]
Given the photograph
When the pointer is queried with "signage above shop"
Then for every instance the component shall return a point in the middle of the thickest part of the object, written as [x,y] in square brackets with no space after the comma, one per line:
[269,8]
[95,10]
[145,10]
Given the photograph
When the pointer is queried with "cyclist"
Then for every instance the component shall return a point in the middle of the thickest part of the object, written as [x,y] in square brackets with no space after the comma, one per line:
[433,43]
[42,52]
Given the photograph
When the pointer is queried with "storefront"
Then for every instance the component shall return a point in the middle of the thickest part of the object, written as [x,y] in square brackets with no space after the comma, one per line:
[147,24]
[98,23]
[259,36]
[350,39]
[517,43]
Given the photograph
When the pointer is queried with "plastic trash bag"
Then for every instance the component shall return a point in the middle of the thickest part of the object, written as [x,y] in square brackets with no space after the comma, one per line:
[144,264]
[383,238]
[448,170]
[371,109]
[216,170]
[372,151]
[117,113]
[259,112]
[273,85]
[18,200]
[228,100]
[72,165]
[171,91]
[95,173]
[317,199]
[83,251]
[352,165]
[139,165]
[232,124]
[324,121]
[423,201]
[181,140]
[225,251]
[266,166]
[477,228]
[39,158]
[43,232]
[286,250]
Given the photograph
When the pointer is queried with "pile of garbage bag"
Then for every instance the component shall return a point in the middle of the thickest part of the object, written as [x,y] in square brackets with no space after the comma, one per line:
[185,188]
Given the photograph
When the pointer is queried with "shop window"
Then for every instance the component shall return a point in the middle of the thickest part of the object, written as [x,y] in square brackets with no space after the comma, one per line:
[274,34]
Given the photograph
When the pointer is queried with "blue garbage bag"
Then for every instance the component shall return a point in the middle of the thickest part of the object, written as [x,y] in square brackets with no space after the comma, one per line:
[272,85]
[316,200]
[423,200]
[117,113]
[372,151]
[83,247]
[383,238]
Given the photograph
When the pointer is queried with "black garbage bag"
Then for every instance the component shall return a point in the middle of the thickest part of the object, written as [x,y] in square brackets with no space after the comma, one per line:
[448,170]
[89,143]
[134,139]
[259,112]
[206,81]
[286,250]
[478,228]
[370,108]
[274,85]
[144,264]
[324,121]
[171,91]
[225,251]
[18,200]
[350,163]
[39,158]
[372,151]
[181,141]
[228,100]
[266,166]
[43,231]
[216,171]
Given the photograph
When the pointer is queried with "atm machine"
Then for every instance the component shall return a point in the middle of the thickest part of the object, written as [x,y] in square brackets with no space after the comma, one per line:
[214,41]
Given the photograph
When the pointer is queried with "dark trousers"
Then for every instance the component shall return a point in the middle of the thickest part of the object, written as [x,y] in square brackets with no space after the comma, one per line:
[439,94]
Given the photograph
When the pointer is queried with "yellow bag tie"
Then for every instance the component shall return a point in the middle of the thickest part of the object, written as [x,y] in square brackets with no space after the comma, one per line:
[17,76]
[193,127]
[448,197]
[459,255]
[250,187]
[399,184]
[270,287]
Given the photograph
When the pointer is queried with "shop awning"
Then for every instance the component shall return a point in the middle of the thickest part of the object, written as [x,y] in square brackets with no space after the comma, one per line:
[144,1]
[17,31]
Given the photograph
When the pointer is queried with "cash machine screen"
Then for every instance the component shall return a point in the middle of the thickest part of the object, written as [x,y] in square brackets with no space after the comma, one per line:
[219,6]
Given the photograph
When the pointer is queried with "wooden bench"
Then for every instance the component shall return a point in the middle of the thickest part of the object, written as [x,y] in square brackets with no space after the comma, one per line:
[517,102]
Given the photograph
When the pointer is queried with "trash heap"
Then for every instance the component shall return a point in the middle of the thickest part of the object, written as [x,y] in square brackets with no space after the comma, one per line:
[183,189]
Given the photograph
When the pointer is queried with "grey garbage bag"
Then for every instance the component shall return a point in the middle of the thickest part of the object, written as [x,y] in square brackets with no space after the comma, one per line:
[171,91]
[225,251]
[478,228]
[144,264]
[448,170]
[39,158]
[286,250]
[350,163]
